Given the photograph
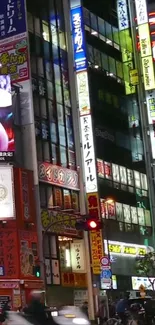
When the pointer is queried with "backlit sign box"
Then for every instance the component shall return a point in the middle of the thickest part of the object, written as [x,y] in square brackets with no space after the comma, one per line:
[141,11]
[148,73]
[123,20]
[144,37]
[79,44]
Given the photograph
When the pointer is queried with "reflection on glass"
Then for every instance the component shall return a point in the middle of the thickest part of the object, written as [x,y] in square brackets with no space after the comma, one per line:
[130,177]
[147,218]
[46,35]
[119,211]
[141,218]
[137,179]
[126,212]
[115,173]
[63,156]
[123,175]
[134,215]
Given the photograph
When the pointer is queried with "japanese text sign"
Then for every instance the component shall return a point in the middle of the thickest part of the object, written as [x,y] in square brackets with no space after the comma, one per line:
[148,73]
[78,256]
[126,249]
[144,37]
[12,18]
[9,253]
[88,154]
[96,244]
[78,39]
[141,11]
[123,20]
[93,205]
[74,280]
[59,176]
[14,60]
[62,223]
[83,92]
[150,100]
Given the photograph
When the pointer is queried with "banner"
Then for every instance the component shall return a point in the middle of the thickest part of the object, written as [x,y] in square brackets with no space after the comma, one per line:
[28,253]
[14,53]
[9,254]
[96,245]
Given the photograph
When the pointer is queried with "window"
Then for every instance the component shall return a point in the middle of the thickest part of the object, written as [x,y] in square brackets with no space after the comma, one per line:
[86,15]
[33,64]
[37,26]
[63,156]
[49,90]
[97,58]
[75,201]
[53,132]
[58,201]
[46,35]
[104,59]
[30,22]
[55,154]
[46,151]
[39,150]
[60,113]
[90,52]
[112,66]
[40,66]
[43,107]
[67,199]
[93,19]
[108,32]
[42,190]
[49,197]
[101,25]
[62,136]
[36,106]
[49,71]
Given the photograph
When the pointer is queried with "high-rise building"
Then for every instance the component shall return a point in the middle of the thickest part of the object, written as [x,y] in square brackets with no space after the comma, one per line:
[108,44]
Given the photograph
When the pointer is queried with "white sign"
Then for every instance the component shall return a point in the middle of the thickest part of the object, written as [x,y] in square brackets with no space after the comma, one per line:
[48,271]
[105,261]
[55,272]
[88,154]
[141,12]
[144,38]
[78,256]
[148,73]
[122,12]
[138,281]
[152,137]
[7,204]
[83,93]
[150,100]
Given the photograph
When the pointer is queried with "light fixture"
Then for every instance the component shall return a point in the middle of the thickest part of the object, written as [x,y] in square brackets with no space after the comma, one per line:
[96,66]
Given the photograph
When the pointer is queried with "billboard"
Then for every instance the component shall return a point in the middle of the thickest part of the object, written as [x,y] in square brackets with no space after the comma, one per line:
[79,44]
[14,52]
[7,204]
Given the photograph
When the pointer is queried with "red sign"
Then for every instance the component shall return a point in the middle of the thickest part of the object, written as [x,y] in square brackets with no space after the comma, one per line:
[56,175]
[104,261]
[9,254]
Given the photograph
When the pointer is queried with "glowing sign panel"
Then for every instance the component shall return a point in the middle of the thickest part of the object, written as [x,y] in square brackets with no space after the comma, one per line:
[141,11]
[145,44]
[148,73]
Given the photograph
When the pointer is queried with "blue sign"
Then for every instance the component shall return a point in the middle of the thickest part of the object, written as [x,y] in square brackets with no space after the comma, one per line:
[78,39]
[12,18]
[106,274]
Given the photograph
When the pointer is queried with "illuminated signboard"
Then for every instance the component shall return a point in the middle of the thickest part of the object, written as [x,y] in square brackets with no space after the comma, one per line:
[123,20]
[144,37]
[148,73]
[125,248]
[138,281]
[7,203]
[150,100]
[141,12]
[88,154]
[78,39]
[83,93]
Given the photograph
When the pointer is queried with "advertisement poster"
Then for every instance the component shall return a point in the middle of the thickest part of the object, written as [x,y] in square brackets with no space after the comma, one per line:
[7,204]
[28,253]
[96,244]
[9,254]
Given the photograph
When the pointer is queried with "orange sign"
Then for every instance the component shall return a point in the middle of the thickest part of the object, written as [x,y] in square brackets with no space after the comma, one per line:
[74,280]
[97,251]
[93,205]
[9,254]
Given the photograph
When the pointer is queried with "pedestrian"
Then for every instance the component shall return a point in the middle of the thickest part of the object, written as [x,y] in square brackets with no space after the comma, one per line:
[36,310]
[84,308]
[102,312]
[122,306]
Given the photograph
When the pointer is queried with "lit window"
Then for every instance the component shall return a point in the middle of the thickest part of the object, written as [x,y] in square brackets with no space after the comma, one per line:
[46,35]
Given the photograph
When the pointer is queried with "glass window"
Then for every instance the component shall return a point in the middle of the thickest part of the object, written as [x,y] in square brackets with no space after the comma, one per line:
[112,66]
[53,132]
[86,16]
[30,22]
[46,149]
[43,107]
[37,26]
[46,35]
[75,201]
[119,211]
[40,66]
[115,34]
[36,105]
[123,175]
[72,159]
[67,199]
[52,111]
[57,74]
[33,64]
[144,182]
[42,190]
[58,202]
[58,91]
[60,114]
[49,197]
[130,177]
[46,246]
[108,30]
[104,59]
[115,173]
[141,218]
[101,26]
[49,71]
[90,52]
[55,154]
[54,35]
[39,150]
[93,19]
[137,179]
[63,156]
[97,58]
[50,89]
[45,130]
[127,214]
[134,215]
[62,136]
[69,130]
[147,218]
[119,69]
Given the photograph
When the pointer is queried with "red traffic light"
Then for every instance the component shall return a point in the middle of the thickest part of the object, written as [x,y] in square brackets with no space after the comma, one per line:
[92,224]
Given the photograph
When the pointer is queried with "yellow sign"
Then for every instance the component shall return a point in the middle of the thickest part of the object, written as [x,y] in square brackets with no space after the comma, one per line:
[144,38]
[134,80]
[148,73]
[96,244]
[127,249]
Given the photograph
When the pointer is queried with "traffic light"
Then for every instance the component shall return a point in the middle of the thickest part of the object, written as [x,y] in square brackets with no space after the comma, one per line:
[36,271]
[89,224]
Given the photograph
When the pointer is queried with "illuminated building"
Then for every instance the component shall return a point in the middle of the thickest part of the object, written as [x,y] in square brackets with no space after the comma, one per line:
[109,72]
